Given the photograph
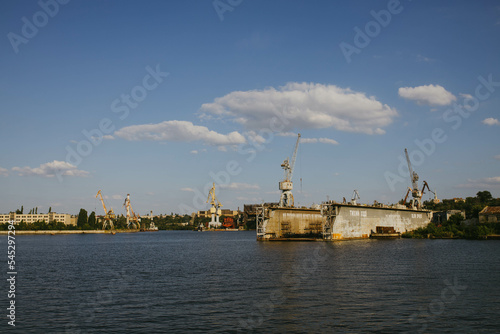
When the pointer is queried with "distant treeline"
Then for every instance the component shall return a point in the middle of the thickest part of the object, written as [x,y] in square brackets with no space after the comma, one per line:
[472,205]
[455,228]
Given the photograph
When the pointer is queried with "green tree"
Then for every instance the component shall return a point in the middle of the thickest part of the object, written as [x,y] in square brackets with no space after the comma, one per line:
[22,209]
[82,219]
[50,209]
[484,196]
[92,221]
[36,210]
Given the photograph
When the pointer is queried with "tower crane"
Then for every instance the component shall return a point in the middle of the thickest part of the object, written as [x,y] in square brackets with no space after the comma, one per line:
[286,186]
[108,215]
[215,209]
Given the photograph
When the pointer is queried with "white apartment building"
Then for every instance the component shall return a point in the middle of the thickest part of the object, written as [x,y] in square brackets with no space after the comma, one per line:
[65,218]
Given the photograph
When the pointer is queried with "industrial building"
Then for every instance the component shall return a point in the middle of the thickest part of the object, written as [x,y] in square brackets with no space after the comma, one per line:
[490,214]
[65,218]
[439,217]
[224,212]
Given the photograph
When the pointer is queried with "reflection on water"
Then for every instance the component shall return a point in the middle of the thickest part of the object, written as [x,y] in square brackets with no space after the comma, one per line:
[183,281]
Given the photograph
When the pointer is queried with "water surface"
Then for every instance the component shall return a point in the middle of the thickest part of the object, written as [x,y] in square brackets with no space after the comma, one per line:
[225,282]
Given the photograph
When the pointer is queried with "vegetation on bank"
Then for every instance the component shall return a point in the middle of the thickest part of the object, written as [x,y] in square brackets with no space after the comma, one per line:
[471,205]
[455,227]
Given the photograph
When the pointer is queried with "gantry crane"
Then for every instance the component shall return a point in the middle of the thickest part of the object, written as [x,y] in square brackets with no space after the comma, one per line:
[215,209]
[286,186]
[129,209]
[108,215]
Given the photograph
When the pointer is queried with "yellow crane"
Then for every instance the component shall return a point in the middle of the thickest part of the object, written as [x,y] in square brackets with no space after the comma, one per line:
[108,215]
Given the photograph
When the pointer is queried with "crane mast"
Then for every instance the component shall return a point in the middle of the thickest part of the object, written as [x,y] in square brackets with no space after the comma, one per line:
[286,186]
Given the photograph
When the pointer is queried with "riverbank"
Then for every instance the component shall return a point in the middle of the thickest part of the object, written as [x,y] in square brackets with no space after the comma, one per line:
[53,232]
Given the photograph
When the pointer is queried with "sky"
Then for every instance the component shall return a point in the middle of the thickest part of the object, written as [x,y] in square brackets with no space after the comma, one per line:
[161,99]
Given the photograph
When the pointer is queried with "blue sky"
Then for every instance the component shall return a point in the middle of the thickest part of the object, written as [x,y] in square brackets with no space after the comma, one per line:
[176,94]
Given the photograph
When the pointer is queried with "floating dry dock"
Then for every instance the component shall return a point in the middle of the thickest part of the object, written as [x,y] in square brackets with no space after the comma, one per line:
[335,221]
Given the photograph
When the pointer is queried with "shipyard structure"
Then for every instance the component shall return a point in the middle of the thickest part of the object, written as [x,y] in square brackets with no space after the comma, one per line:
[337,221]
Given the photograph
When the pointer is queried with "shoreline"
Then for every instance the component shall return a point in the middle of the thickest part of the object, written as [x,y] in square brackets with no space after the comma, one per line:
[53,232]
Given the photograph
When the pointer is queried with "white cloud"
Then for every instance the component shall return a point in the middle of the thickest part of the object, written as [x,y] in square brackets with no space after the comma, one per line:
[51,169]
[239,186]
[425,59]
[118,197]
[484,183]
[108,137]
[255,137]
[318,140]
[4,172]
[303,105]
[491,121]
[187,189]
[466,96]
[430,94]
[286,134]
[178,131]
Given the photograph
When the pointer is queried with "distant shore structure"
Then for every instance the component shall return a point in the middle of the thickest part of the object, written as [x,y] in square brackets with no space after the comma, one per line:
[65,218]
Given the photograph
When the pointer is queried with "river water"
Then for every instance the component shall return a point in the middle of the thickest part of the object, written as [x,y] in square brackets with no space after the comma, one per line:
[227,282]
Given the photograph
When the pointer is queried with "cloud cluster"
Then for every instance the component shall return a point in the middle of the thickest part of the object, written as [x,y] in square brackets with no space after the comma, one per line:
[303,105]
[51,169]
[434,95]
[239,186]
[4,172]
[484,183]
[491,121]
[178,131]
[318,140]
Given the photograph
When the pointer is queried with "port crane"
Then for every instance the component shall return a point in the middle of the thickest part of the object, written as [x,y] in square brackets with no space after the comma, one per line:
[416,194]
[436,199]
[135,219]
[215,210]
[355,195]
[416,201]
[108,215]
[286,186]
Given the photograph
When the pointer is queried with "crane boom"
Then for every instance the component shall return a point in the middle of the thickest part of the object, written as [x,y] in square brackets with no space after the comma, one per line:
[413,175]
[102,201]
[294,157]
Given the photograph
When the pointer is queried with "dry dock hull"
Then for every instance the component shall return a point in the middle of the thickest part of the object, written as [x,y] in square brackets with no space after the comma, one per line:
[345,222]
